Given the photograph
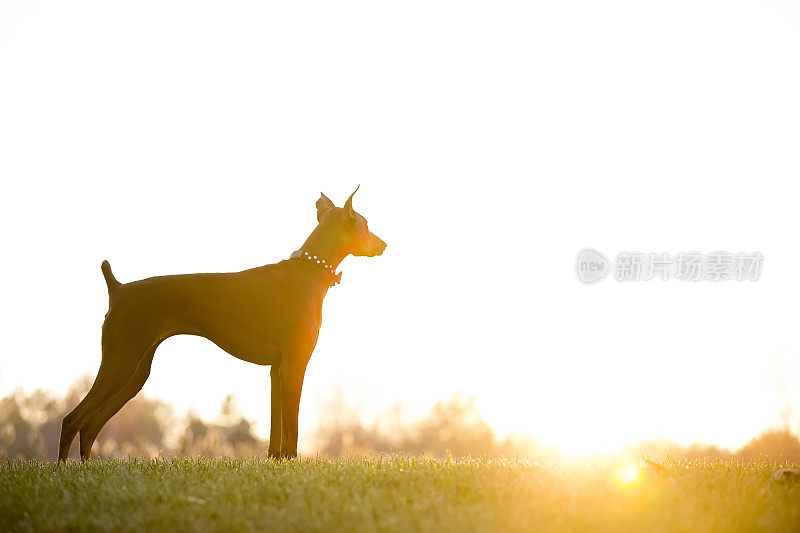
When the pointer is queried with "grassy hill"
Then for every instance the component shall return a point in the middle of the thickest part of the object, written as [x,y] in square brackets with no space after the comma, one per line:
[397,494]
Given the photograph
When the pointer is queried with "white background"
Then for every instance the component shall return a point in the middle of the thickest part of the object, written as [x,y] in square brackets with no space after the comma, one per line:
[492,141]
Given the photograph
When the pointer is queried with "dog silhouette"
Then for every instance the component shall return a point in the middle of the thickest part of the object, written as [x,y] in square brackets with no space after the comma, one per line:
[269,315]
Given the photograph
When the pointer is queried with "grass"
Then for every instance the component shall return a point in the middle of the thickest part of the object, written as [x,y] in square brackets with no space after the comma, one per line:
[395,494]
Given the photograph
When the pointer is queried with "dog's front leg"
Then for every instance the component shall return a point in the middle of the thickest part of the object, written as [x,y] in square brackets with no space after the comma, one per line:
[291,377]
[275,427]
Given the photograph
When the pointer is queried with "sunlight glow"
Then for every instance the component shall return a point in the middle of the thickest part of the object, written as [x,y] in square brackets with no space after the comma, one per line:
[627,474]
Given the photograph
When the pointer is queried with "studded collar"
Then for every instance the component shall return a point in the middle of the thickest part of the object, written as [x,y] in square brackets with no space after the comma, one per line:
[329,269]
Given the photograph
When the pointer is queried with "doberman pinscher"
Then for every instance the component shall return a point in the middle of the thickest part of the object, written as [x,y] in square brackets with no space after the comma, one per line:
[269,315]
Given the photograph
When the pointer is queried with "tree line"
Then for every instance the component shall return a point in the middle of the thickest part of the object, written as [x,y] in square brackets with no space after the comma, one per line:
[30,425]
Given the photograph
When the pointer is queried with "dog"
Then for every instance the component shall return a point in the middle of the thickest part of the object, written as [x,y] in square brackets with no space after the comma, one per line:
[268,315]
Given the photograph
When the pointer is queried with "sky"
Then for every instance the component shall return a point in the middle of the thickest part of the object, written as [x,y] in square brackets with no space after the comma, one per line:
[492,142]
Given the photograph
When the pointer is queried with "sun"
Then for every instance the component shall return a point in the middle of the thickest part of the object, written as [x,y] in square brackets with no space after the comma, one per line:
[627,474]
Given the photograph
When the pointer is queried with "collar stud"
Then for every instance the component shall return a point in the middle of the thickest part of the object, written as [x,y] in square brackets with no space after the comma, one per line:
[327,267]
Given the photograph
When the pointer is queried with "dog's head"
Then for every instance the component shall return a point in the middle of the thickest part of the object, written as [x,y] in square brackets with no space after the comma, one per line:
[349,227]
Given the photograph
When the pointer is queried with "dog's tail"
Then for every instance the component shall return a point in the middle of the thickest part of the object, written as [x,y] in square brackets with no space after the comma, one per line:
[111,281]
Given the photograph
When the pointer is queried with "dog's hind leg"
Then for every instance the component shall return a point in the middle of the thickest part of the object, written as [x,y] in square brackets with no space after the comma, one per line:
[124,342]
[110,377]
[98,418]
[71,422]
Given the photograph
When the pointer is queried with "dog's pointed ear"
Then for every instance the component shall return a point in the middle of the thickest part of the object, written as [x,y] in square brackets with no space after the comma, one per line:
[323,205]
[348,205]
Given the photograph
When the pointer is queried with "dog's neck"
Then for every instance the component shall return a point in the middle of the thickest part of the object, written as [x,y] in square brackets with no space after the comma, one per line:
[321,252]
[321,245]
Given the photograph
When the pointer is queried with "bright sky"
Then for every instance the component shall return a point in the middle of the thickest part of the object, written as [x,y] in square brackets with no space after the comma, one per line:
[492,141]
